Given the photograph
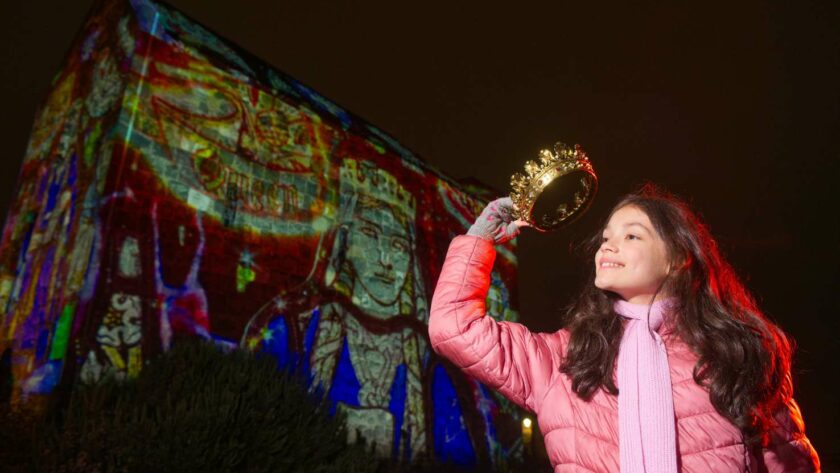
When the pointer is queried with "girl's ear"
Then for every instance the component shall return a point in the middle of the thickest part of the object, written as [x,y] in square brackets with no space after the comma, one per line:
[684,264]
[678,263]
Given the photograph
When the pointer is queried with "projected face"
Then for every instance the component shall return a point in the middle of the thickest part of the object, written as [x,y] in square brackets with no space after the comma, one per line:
[379,254]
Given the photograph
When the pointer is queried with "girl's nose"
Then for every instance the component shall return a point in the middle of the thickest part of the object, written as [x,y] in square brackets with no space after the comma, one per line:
[607,246]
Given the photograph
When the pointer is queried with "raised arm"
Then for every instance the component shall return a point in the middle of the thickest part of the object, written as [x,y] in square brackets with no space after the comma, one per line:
[503,355]
[789,450]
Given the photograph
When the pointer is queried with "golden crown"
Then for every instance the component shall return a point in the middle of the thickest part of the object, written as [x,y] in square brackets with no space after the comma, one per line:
[528,188]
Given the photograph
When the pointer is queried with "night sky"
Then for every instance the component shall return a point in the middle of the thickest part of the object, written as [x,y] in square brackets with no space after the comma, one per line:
[734,107]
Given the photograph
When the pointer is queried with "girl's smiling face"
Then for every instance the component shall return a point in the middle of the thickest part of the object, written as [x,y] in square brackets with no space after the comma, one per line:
[632,260]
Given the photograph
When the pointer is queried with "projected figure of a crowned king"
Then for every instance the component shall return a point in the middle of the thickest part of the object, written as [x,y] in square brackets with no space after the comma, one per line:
[362,343]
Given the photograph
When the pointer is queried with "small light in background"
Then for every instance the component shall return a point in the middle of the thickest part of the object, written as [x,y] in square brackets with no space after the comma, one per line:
[527,430]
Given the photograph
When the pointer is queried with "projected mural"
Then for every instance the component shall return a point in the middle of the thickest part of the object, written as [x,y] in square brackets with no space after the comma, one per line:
[175,186]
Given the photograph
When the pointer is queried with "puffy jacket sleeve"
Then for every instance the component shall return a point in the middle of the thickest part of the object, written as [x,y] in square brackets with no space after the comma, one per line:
[505,356]
[789,450]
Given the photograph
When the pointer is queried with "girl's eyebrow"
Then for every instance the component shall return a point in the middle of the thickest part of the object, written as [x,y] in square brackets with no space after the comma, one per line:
[629,224]
[645,228]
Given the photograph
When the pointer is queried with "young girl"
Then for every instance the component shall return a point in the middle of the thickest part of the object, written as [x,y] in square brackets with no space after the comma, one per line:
[665,364]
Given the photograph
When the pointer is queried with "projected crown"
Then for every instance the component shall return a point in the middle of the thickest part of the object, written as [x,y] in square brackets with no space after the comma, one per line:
[569,197]
[363,177]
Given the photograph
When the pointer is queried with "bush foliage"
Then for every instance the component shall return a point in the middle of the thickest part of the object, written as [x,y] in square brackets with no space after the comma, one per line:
[194,408]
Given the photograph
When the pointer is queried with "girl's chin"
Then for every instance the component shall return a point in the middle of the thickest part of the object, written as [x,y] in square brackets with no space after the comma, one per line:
[604,286]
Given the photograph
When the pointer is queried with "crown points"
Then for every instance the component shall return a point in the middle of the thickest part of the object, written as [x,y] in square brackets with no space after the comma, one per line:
[531,168]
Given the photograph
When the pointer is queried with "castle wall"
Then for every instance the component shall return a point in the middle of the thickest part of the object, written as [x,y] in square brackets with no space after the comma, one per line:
[176,186]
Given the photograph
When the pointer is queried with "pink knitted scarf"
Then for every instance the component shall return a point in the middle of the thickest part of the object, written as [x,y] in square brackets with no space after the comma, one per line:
[647,432]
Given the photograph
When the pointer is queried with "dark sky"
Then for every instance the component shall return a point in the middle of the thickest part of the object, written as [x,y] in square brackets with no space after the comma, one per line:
[733,106]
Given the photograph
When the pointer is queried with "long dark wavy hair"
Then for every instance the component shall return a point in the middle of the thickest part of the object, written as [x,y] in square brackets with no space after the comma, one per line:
[744,359]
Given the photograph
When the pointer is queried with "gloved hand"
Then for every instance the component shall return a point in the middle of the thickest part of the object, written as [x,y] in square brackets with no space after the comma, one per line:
[496,222]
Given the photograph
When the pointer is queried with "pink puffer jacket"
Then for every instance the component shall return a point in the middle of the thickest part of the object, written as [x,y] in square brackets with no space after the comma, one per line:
[579,435]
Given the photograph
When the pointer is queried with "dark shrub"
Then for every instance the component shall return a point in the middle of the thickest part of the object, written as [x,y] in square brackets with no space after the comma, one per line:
[197,408]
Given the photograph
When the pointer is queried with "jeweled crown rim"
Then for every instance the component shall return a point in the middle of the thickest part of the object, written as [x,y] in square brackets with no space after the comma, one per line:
[538,175]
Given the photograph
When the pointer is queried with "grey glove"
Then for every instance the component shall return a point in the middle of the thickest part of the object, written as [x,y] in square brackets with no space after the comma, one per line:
[496,222]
